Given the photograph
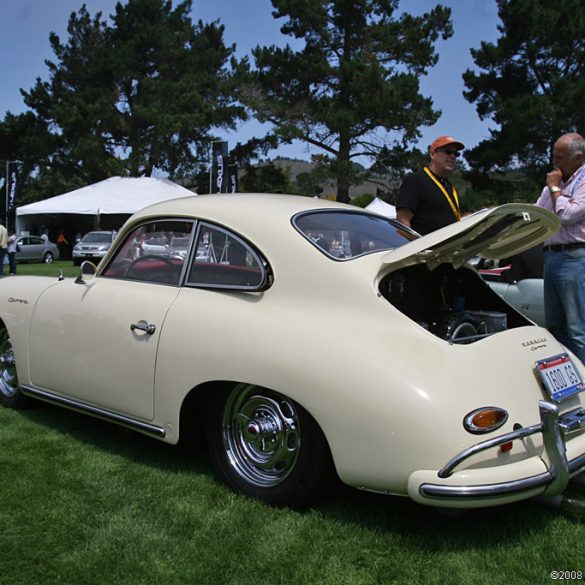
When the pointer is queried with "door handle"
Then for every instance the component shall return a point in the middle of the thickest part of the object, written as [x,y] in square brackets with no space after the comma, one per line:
[146,327]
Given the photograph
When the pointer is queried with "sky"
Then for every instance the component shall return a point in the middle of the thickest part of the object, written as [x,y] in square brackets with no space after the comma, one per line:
[25,26]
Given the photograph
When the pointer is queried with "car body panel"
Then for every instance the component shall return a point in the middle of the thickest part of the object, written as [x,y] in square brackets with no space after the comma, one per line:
[94,331]
[389,395]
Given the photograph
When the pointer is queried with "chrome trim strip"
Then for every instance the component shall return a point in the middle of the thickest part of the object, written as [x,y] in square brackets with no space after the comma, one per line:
[432,490]
[577,464]
[120,419]
[447,470]
[573,420]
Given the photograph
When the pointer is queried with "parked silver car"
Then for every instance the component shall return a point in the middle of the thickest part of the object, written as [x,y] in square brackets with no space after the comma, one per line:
[35,249]
[93,246]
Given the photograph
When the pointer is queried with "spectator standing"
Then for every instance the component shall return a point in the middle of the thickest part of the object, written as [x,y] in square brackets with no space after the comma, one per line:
[12,253]
[564,256]
[427,200]
[3,246]
[62,244]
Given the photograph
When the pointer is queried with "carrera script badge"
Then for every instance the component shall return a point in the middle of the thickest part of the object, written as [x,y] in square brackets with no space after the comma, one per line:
[22,301]
[534,344]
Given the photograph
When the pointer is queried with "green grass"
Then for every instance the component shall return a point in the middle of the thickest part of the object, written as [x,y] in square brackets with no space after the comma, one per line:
[83,502]
[41,269]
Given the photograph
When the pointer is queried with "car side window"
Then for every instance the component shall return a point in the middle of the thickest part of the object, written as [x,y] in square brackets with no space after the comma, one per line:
[224,260]
[153,252]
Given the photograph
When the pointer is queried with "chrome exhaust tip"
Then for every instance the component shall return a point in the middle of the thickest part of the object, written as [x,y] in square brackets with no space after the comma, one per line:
[567,505]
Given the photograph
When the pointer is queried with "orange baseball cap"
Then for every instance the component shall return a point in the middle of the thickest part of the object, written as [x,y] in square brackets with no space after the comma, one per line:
[443,141]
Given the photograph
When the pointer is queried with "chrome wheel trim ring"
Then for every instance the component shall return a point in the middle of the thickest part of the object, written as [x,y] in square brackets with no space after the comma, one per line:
[8,378]
[261,435]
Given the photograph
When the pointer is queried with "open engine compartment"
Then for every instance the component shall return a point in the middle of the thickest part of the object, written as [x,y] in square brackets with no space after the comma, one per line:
[455,304]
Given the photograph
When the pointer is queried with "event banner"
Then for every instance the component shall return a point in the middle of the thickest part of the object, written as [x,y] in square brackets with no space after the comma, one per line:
[232,179]
[219,167]
[12,184]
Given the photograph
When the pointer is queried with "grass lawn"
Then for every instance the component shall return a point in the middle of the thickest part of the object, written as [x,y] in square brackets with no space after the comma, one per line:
[83,502]
[41,269]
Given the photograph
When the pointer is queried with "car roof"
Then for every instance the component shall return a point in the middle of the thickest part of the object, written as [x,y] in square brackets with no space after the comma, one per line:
[240,208]
[257,215]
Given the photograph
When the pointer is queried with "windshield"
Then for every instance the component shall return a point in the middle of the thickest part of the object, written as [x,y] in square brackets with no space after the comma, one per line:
[97,237]
[343,235]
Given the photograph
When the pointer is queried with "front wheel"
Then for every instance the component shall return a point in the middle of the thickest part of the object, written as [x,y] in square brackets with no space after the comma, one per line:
[266,446]
[10,394]
[48,258]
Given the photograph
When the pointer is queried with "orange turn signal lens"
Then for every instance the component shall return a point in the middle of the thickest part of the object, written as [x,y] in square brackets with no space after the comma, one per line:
[485,420]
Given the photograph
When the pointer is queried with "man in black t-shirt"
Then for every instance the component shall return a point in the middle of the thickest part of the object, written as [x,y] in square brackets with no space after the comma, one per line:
[427,201]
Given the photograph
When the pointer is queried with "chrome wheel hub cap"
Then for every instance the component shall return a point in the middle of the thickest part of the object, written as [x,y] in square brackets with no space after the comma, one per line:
[8,379]
[261,435]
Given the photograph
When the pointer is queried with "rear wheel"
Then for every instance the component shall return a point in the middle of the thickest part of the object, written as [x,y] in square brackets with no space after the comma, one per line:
[10,394]
[266,446]
[48,258]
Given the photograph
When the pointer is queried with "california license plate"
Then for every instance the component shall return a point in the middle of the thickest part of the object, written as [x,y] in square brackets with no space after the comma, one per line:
[560,376]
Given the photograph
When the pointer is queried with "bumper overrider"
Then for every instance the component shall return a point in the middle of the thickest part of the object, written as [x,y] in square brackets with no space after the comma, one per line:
[546,475]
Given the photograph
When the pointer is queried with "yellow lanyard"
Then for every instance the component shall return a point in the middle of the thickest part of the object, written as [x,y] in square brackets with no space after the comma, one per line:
[454,204]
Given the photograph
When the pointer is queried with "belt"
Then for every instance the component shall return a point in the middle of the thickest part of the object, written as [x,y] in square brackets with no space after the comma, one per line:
[561,247]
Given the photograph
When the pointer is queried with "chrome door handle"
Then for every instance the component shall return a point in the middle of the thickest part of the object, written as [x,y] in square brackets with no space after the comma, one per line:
[146,327]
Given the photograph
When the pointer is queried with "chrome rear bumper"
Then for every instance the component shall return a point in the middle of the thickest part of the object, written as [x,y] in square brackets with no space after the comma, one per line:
[553,428]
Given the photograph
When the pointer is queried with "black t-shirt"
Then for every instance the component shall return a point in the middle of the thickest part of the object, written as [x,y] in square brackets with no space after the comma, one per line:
[420,194]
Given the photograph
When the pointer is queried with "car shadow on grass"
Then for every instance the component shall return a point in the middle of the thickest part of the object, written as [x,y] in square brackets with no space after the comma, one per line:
[425,527]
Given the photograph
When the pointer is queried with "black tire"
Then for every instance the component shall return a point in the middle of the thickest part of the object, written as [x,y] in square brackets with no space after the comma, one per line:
[10,393]
[266,446]
[48,258]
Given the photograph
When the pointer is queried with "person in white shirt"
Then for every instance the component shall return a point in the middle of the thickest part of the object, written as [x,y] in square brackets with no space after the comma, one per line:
[3,246]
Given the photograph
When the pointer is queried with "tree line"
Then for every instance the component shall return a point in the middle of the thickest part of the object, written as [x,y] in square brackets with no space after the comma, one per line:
[149,88]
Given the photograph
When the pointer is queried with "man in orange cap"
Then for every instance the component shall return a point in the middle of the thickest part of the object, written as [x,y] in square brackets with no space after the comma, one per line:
[427,201]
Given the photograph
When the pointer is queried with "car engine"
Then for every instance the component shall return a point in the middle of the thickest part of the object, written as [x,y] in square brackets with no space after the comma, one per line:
[454,304]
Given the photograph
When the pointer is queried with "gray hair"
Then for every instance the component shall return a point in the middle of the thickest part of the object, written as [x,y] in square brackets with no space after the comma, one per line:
[576,146]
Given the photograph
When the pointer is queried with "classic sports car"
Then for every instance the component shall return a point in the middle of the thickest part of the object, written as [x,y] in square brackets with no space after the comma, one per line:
[309,339]
[526,295]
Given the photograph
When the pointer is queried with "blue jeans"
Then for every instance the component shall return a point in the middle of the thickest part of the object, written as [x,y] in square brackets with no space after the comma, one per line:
[564,298]
[3,252]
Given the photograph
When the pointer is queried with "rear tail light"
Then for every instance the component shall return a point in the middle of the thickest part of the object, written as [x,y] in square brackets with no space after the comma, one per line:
[485,420]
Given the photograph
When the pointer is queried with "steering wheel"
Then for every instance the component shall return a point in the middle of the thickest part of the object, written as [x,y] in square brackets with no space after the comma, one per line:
[149,258]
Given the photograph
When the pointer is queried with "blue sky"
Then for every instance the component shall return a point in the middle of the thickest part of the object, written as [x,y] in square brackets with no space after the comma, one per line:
[24,45]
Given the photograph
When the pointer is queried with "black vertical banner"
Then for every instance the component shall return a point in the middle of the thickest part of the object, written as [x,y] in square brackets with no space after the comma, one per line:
[232,179]
[219,167]
[12,185]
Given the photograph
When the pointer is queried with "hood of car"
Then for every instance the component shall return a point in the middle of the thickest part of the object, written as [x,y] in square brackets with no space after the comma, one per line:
[492,233]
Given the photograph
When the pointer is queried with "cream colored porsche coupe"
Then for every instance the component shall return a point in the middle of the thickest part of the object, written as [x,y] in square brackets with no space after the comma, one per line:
[310,339]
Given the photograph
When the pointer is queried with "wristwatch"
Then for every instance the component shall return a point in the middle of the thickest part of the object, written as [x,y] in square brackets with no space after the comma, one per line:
[554,189]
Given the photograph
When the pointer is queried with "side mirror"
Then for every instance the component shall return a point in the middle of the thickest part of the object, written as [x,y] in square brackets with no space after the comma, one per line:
[86,271]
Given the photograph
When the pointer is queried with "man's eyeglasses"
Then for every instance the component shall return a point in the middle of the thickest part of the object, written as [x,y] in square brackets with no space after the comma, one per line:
[449,152]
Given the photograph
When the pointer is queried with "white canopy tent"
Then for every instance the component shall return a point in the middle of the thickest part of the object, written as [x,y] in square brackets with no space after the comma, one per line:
[106,204]
[381,207]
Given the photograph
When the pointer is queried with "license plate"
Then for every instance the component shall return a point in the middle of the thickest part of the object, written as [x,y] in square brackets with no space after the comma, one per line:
[560,376]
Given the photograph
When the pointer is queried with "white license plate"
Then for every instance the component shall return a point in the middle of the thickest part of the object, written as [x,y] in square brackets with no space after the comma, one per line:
[560,376]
